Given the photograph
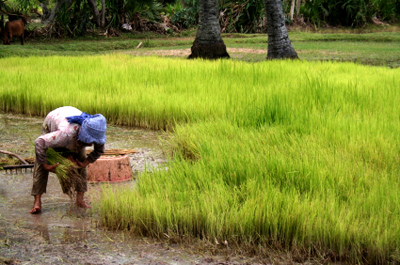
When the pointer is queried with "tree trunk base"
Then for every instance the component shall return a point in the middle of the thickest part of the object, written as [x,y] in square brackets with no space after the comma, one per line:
[209,51]
[290,54]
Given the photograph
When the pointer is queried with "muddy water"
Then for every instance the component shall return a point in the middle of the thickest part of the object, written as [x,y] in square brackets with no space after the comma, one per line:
[64,234]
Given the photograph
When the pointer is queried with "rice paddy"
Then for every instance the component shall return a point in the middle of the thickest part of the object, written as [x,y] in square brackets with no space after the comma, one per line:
[295,155]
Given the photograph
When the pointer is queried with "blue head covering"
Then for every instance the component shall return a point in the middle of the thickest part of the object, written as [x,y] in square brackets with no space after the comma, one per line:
[93,127]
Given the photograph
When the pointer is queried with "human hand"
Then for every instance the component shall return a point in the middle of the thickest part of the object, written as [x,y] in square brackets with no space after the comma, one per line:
[82,164]
[79,163]
[51,168]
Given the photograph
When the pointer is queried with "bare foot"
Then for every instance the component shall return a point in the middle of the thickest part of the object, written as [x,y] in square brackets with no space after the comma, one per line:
[82,204]
[37,208]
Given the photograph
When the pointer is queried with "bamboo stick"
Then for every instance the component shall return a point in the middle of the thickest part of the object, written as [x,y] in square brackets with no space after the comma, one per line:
[15,155]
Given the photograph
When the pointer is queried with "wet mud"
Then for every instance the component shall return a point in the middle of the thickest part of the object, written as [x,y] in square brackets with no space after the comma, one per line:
[65,234]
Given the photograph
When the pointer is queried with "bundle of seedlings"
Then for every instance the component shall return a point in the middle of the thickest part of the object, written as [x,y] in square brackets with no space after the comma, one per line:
[67,172]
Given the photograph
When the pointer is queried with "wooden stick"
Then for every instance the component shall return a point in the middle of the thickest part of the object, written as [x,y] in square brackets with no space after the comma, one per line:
[17,156]
[116,151]
[18,166]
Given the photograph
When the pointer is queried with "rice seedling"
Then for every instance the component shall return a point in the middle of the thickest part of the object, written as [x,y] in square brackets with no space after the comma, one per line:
[297,155]
[67,172]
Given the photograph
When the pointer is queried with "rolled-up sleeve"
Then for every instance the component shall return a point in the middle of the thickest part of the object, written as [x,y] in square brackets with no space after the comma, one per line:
[40,150]
[49,140]
[98,150]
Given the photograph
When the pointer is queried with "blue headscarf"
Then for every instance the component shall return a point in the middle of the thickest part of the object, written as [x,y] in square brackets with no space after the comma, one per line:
[79,119]
[93,127]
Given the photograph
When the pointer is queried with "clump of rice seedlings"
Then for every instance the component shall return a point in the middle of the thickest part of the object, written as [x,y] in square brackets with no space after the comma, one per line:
[276,153]
[67,172]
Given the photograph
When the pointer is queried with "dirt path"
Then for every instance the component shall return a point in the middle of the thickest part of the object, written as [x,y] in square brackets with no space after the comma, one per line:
[186,52]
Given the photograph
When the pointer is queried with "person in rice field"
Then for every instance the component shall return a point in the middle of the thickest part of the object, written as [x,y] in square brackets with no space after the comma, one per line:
[67,130]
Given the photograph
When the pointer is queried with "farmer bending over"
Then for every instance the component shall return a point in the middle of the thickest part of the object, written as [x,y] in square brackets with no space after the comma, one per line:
[67,130]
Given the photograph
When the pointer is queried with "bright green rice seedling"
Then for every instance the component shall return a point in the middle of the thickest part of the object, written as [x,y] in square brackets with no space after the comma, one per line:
[66,171]
[293,154]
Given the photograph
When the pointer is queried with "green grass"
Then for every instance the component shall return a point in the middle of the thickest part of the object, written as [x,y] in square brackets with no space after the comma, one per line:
[372,48]
[290,154]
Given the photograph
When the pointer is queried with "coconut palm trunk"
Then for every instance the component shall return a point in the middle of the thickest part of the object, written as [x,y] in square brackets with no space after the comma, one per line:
[208,43]
[279,45]
[59,4]
[95,11]
[298,4]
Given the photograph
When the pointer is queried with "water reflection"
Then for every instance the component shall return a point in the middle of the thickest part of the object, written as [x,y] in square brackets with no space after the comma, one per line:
[60,220]
[41,225]
[63,233]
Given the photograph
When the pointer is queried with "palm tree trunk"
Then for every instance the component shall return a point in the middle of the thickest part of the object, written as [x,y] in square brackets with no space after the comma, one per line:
[279,45]
[298,4]
[292,9]
[57,7]
[95,11]
[208,43]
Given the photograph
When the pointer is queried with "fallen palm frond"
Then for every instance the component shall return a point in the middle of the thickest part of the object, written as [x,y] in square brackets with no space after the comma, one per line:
[67,172]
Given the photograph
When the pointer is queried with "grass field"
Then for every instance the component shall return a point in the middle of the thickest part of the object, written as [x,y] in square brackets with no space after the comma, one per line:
[294,155]
[362,46]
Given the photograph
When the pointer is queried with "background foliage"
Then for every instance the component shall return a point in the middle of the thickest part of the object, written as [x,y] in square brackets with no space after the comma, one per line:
[350,12]
[75,17]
